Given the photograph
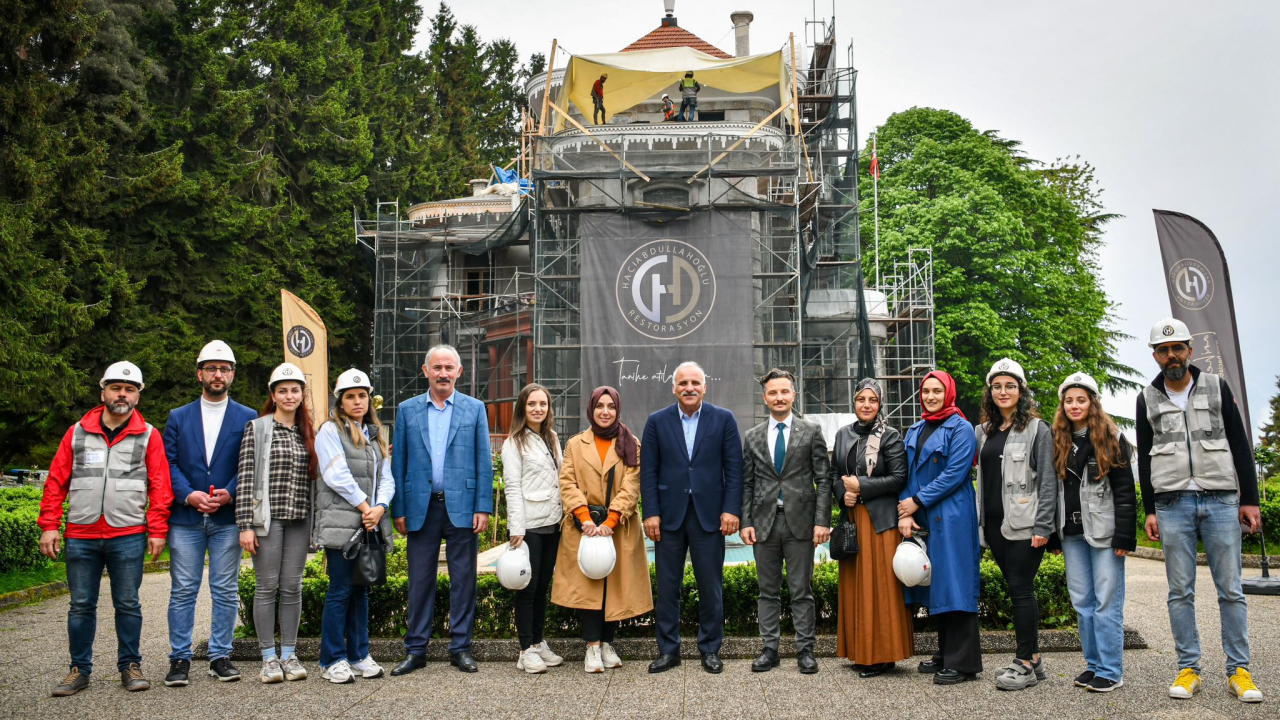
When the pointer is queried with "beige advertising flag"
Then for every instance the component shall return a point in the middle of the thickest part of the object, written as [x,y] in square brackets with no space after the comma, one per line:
[306,344]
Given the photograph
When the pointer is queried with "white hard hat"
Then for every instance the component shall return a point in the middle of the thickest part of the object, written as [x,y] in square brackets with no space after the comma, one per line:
[287,371]
[514,570]
[352,378]
[123,371]
[1007,366]
[911,562]
[596,556]
[1169,330]
[1080,380]
[215,350]
[665,95]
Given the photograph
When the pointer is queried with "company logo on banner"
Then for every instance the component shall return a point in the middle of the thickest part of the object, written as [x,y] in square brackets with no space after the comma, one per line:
[666,289]
[300,340]
[1192,283]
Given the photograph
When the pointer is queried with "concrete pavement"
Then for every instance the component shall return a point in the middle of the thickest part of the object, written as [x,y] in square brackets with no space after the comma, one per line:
[33,640]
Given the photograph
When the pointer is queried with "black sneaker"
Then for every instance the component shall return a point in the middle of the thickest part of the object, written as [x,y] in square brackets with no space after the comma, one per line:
[1101,684]
[223,670]
[929,667]
[1083,679]
[179,672]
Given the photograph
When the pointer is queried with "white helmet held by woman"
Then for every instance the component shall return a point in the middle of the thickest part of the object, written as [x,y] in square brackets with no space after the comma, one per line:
[911,562]
[596,556]
[514,570]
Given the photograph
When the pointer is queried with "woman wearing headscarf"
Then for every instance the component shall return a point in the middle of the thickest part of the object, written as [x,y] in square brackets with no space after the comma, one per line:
[939,499]
[869,469]
[608,450]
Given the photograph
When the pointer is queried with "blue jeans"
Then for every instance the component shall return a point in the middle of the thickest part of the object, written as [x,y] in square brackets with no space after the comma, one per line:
[122,559]
[688,108]
[1095,580]
[187,547]
[1214,518]
[344,631]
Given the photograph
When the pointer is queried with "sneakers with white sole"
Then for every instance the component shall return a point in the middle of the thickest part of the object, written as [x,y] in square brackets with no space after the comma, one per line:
[608,657]
[548,657]
[293,669]
[271,671]
[368,668]
[531,662]
[1185,685]
[592,662]
[1017,677]
[1240,684]
[339,673]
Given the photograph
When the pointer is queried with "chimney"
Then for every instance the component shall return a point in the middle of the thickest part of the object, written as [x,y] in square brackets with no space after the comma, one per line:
[478,186]
[670,19]
[741,32]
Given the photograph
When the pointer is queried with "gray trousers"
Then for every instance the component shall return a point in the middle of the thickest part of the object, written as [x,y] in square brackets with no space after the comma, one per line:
[278,564]
[782,545]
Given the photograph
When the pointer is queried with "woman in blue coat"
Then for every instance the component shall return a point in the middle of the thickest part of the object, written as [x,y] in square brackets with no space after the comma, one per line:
[939,498]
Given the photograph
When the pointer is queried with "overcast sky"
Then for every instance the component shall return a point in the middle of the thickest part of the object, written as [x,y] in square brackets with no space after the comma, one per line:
[1175,103]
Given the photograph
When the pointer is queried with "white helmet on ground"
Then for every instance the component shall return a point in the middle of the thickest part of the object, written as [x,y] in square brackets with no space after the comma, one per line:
[911,562]
[596,556]
[216,350]
[1169,330]
[514,569]
[123,371]
[1080,380]
[1007,366]
[286,371]
[349,379]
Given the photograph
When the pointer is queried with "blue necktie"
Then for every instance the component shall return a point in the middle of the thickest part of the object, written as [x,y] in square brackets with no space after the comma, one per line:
[780,448]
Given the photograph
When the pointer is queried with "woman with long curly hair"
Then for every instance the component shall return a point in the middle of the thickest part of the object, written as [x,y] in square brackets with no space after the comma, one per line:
[1098,525]
[1017,501]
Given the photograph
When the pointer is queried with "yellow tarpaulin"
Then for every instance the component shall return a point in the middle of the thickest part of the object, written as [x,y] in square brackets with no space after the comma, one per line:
[634,77]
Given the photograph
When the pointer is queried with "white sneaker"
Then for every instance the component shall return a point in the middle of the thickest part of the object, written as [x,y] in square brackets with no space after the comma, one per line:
[271,672]
[609,657]
[548,657]
[368,668]
[592,662]
[339,673]
[531,662]
[293,669]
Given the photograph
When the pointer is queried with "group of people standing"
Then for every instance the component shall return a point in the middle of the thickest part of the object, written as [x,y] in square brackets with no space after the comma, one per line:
[276,488]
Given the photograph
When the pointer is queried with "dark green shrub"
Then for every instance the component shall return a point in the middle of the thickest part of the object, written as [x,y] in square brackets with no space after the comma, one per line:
[19,533]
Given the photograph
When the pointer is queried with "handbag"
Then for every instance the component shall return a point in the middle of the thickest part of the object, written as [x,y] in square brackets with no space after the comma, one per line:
[599,513]
[368,557]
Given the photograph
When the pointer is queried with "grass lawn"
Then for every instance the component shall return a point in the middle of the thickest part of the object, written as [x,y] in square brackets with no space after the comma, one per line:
[54,572]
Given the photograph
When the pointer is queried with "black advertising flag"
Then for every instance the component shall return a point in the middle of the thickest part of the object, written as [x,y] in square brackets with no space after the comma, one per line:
[1200,294]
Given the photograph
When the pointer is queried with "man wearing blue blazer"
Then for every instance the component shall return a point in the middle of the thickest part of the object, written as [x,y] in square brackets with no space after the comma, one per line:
[202,442]
[691,492]
[444,490]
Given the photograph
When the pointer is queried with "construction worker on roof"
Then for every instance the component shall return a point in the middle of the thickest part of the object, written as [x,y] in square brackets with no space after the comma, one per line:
[668,108]
[689,89]
[597,99]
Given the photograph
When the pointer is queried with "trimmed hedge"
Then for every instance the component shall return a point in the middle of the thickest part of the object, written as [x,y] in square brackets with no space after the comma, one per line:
[495,615]
[1250,543]
[19,533]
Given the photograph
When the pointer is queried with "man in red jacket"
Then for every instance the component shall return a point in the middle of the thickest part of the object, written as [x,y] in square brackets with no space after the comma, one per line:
[112,471]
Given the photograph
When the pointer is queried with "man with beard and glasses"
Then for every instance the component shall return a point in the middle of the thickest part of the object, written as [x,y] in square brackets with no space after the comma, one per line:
[111,470]
[1195,465]
[202,442]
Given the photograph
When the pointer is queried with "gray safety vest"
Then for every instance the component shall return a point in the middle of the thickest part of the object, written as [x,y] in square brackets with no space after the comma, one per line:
[1189,444]
[1020,494]
[1097,504]
[335,519]
[108,481]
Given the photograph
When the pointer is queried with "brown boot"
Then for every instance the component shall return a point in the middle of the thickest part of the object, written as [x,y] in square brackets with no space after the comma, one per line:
[132,679]
[73,683]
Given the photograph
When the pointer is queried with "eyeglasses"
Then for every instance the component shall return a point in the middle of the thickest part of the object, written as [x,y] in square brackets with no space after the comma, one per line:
[1011,387]
[1178,349]
[218,369]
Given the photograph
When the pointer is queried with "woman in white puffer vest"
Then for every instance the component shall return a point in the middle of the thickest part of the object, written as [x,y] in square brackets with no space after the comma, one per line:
[531,475]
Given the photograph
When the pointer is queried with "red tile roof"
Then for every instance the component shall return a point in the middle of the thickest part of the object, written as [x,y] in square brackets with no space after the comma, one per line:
[668,36]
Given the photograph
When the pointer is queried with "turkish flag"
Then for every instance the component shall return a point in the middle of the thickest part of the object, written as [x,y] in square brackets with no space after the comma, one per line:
[875,166]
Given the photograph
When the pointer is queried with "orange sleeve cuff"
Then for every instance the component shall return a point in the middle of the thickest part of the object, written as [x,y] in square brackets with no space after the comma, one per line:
[612,521]
[582,513]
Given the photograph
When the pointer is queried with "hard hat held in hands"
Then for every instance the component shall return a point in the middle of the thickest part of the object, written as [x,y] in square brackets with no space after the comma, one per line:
[513,568]
[596,556]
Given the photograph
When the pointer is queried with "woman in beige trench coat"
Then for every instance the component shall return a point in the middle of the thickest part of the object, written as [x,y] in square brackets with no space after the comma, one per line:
[626,592]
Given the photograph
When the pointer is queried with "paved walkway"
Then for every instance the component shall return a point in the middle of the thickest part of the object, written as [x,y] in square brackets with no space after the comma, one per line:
[33,640]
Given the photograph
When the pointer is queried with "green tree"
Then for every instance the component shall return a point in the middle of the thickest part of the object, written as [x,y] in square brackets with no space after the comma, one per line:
[1269,446]
[1014,248]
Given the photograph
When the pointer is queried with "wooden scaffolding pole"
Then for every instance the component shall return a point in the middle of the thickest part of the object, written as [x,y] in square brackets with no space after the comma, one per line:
[599,142]
[546,91]
[795,113]
[741,140]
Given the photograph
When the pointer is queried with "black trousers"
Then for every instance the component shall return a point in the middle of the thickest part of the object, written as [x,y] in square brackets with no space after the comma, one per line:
[959,648]
[1019,562]
[531,602]
[594,627]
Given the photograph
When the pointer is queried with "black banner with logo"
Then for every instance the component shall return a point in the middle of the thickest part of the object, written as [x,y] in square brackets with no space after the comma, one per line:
[655,294]
[1200,295]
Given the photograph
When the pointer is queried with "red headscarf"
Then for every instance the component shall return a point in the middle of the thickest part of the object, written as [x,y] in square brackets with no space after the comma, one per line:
[626,446]
[949,406]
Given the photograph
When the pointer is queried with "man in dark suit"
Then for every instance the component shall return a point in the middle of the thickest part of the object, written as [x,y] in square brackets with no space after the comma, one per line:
[691,491]
[786,513]
[202,443]
[444,491]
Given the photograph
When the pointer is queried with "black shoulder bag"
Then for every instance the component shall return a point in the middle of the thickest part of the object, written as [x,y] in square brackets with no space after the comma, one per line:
[368,557]
[599,513]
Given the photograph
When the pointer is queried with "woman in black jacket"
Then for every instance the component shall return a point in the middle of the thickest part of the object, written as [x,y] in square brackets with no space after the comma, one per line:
[869,469]
[1097,523]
